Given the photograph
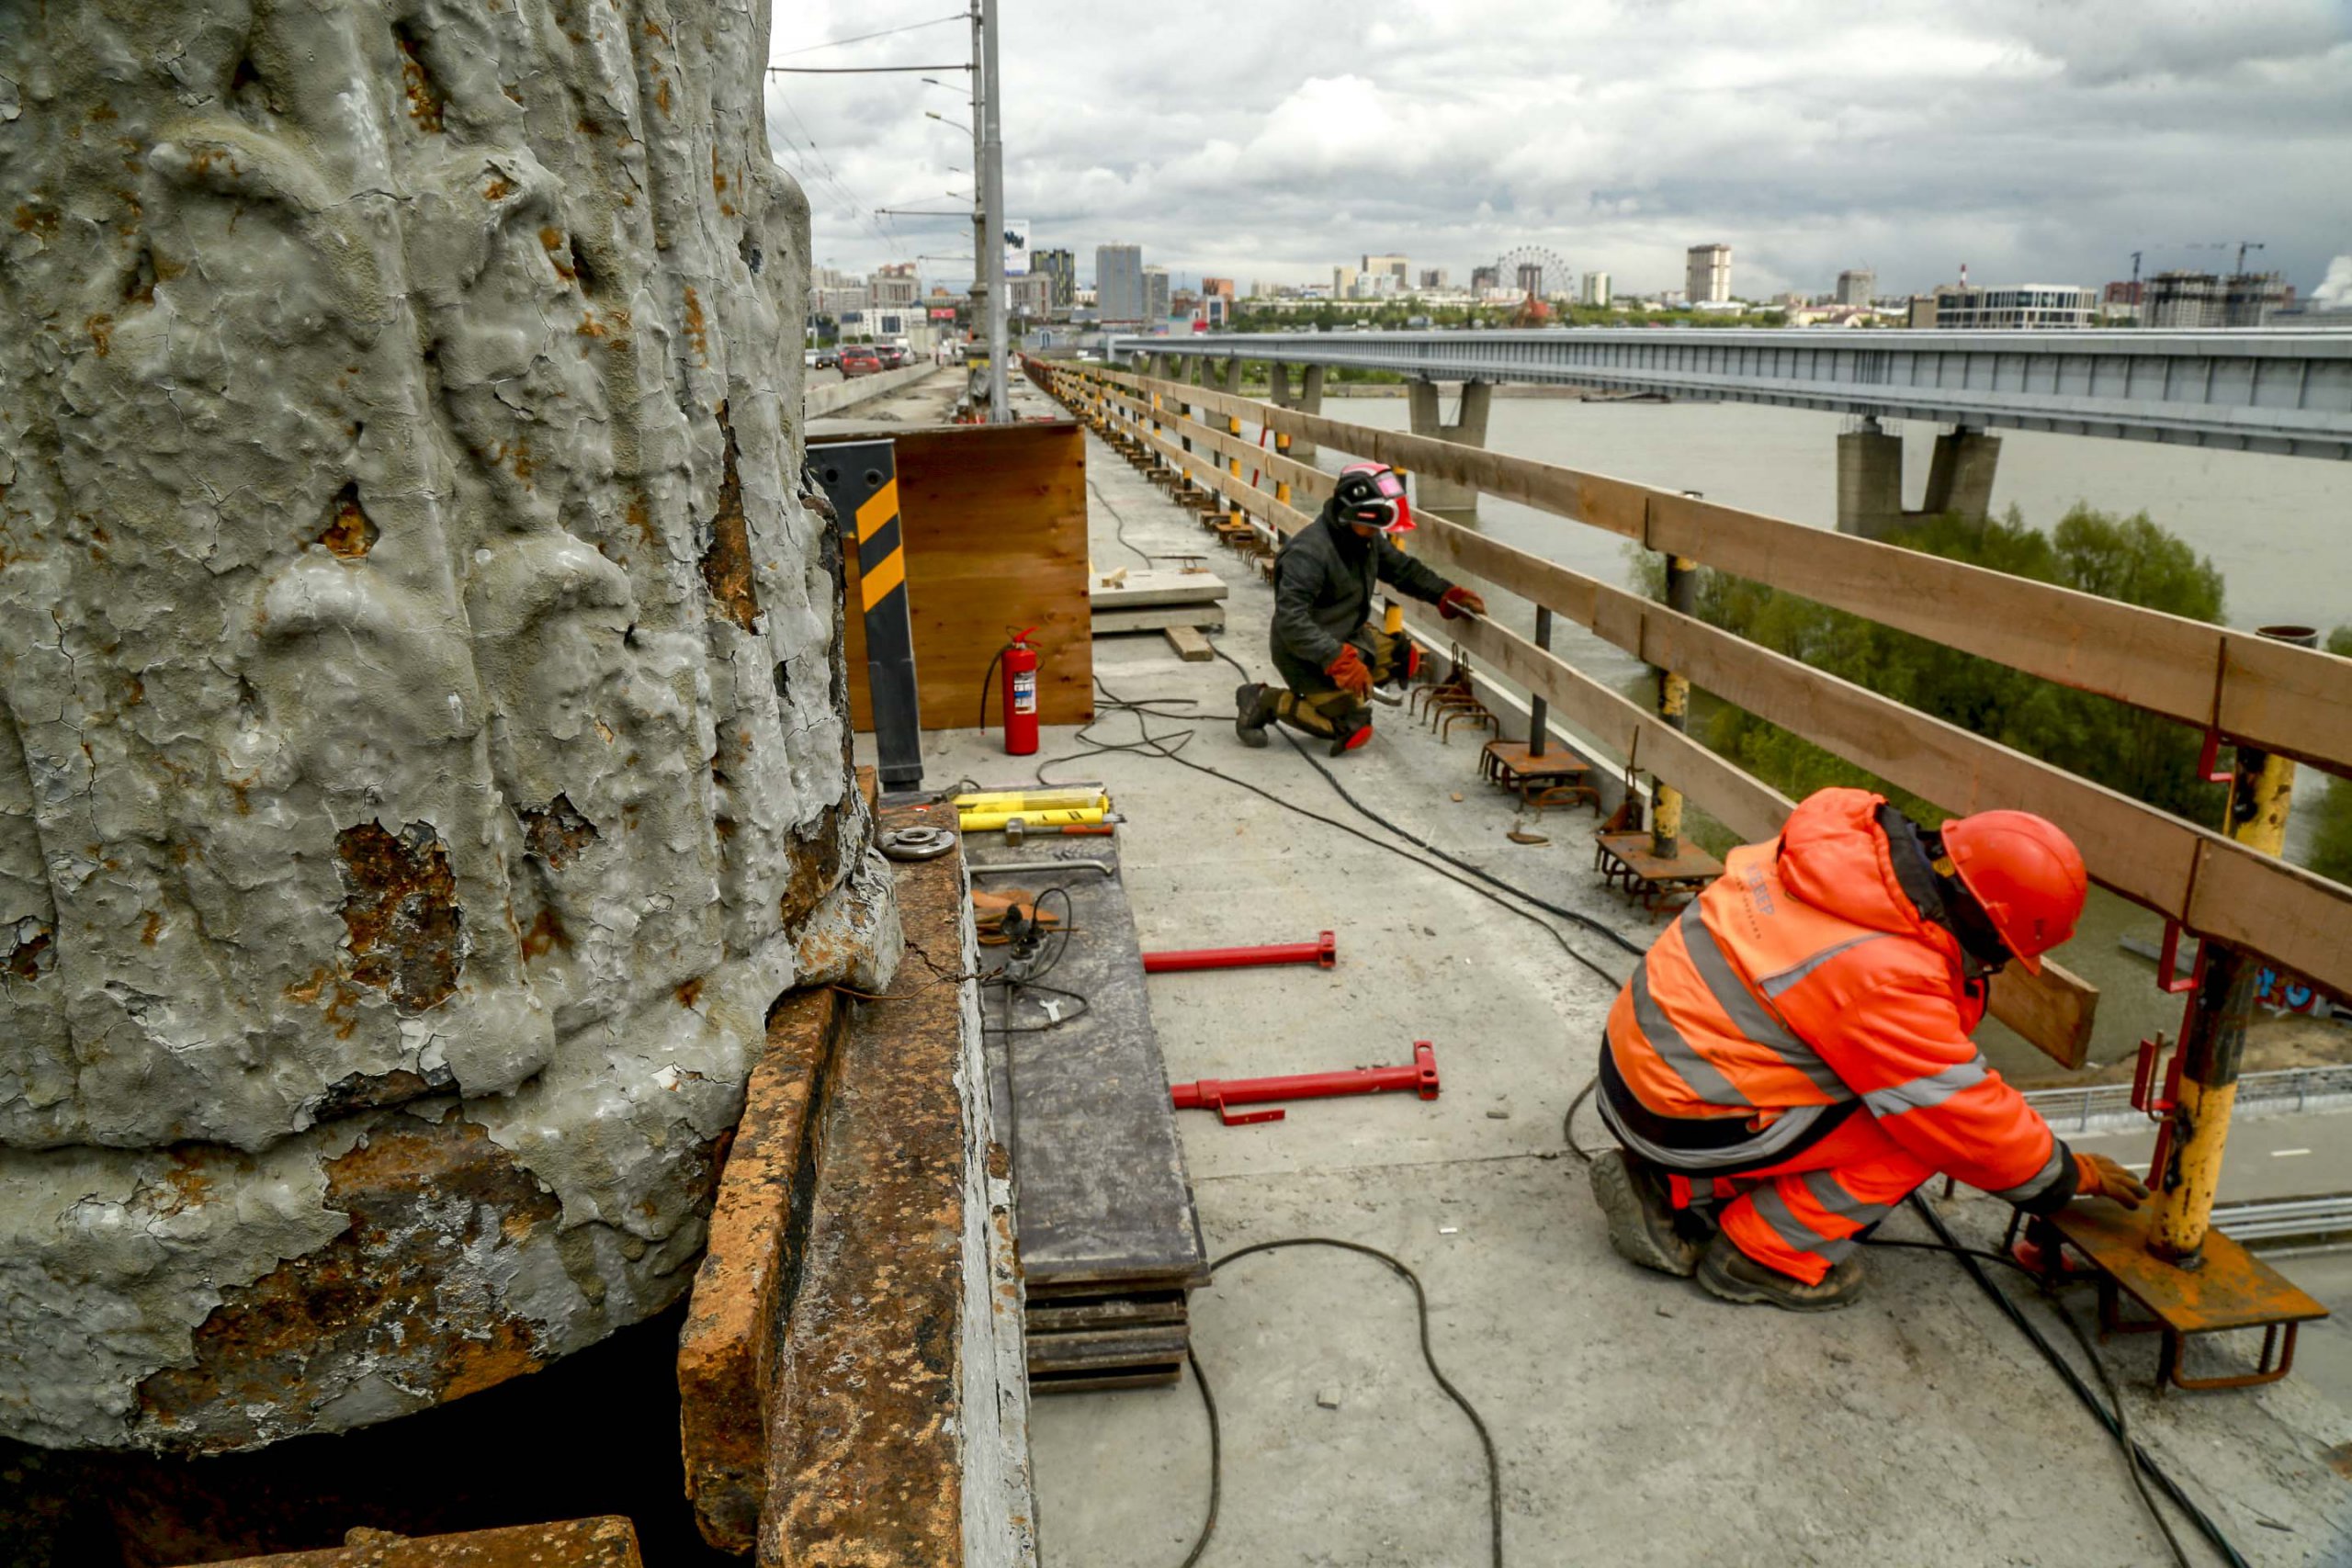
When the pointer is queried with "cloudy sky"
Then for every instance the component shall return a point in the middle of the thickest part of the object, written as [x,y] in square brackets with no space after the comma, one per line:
[1271,139]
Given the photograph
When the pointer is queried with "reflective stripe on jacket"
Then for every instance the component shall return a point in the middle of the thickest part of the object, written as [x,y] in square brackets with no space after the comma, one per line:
[1805,977]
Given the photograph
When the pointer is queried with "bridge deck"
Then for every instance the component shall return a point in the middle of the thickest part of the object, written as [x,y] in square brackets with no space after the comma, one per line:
[1638,1421]
[2285,391]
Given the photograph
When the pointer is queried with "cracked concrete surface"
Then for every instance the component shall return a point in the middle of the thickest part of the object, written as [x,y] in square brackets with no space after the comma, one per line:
[423,744]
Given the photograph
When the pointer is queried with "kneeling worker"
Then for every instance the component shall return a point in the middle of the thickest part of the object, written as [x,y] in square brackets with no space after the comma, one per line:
[1792,1058]
[1329,653]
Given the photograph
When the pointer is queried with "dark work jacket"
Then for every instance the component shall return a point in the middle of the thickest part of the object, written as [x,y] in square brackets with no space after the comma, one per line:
[1323,580]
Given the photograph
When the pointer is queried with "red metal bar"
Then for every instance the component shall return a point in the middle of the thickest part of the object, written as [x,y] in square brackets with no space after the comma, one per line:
[1323,953]
[1221,1094]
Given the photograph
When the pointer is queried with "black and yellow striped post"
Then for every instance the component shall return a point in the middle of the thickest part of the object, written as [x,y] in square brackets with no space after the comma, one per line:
[861,478]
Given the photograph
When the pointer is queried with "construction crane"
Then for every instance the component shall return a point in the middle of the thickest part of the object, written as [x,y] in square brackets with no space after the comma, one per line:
[2244,246]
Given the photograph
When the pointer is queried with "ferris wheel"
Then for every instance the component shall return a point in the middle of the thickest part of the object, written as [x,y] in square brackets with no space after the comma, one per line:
[1534,269]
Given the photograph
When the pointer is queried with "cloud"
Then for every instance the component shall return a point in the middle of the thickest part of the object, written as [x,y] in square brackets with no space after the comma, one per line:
[2334,292]
[2037,142]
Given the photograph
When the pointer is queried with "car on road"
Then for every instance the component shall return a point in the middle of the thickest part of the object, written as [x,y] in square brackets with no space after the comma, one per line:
[892,355]
[860,360]
[821,358]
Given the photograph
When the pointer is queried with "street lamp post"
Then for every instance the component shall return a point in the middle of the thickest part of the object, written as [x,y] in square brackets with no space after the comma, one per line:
[991,189]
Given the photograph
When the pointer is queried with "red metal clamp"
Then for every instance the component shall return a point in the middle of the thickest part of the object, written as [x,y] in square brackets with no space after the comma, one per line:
[1323,953]
[1221,1095]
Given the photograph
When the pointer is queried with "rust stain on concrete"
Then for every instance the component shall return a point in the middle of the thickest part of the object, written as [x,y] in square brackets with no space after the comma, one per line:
[400,910]
[726,562]
[607,1542]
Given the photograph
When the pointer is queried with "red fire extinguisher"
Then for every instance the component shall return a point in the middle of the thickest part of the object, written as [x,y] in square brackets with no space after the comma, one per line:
[1019,697]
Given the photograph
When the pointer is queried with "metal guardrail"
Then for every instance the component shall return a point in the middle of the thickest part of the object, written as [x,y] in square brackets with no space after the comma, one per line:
[2287,1219]
[2284,391]
[2286,1090]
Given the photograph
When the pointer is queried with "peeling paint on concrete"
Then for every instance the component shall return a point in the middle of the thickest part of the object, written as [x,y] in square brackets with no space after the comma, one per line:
[398,560]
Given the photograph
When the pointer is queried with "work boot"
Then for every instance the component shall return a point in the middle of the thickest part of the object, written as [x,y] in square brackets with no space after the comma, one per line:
[1729,1274]
[1250,713]
[1632,1193]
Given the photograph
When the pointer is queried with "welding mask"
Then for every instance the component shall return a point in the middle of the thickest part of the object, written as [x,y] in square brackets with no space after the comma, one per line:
[1374,494]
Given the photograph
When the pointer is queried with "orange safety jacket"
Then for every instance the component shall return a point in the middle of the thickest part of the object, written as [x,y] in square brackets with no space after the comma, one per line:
[1806,979]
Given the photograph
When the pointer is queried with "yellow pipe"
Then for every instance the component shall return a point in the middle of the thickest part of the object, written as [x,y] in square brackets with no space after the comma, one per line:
[2212,1041]
[1031,799]
[1057,817]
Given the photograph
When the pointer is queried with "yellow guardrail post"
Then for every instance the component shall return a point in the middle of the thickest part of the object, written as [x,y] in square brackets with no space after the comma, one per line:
[2221,1004]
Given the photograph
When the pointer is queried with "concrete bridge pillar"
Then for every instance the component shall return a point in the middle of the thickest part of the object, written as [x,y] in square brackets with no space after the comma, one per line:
[1158,368]
[1959,474]
[1228,376]
[1308,398]
[1870,481]
[1458,501]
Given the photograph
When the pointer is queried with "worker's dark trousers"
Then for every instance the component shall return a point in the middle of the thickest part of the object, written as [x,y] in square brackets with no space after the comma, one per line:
[1316,705]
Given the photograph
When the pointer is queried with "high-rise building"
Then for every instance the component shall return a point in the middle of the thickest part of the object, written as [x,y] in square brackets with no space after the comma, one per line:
[1856,286]
[1432,278]
[1484,278]
[1062,268]
[1030,297]
[1155,294]
[1595,290]
[2193,301]
[1395,268]
[893,286]
[1529,281]
[1118,283]
[1707,274]
[1343,282]
[2035,307]
[1218,288]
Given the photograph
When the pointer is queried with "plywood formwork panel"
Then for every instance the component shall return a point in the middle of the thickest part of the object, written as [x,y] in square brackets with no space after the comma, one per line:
[994,519]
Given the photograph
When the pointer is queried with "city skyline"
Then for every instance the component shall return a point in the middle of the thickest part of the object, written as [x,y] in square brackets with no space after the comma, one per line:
[2037,144]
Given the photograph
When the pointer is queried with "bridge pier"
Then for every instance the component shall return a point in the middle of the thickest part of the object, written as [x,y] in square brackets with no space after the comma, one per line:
[1869,479]
[1444,497]
[1959,474]
[1308,398]
[1228,378]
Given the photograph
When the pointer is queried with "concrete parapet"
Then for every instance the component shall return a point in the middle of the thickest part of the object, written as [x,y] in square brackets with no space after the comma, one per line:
[759,1227]
[1445,496]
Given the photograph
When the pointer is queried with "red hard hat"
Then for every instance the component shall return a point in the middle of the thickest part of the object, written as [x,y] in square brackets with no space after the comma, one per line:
[2025,873]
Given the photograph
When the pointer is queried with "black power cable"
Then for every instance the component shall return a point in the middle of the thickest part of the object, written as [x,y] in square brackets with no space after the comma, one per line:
[1166,747]
[1429,1358]
[2117,1421]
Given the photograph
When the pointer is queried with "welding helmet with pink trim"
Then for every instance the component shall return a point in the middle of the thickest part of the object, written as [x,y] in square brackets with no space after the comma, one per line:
[1372,494]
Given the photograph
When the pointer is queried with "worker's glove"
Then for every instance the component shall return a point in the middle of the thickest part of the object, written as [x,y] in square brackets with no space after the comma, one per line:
[2096,1176]
[1350,671]
[1460,601]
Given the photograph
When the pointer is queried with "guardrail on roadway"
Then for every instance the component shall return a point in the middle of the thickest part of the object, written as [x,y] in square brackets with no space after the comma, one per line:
[2109,1104]
[836,397]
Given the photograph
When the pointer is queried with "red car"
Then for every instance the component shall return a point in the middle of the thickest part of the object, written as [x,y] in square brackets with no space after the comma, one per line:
[859,360]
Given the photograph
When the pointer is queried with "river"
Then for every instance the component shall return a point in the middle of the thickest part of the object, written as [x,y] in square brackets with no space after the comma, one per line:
[2278,528]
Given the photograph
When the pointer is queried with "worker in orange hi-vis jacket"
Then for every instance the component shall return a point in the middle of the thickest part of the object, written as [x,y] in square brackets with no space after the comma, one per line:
[1793,1055]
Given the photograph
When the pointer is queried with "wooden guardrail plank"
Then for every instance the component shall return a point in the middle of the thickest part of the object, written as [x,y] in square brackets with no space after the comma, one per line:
[2147,855]
[2053,1010]
[2287,699]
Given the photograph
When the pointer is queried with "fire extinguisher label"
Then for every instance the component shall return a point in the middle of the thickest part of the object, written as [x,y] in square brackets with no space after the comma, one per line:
[1024,692]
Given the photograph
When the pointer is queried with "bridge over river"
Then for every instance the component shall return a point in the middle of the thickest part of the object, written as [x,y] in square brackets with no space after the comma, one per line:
[2287,391]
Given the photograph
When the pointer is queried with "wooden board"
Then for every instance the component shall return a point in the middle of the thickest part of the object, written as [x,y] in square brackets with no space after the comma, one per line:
[1190,645]
[1141,589]
[2053,1010]
[995,524]
[1204,617]
[1103,1198]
